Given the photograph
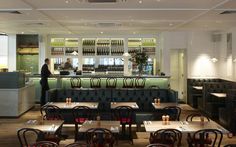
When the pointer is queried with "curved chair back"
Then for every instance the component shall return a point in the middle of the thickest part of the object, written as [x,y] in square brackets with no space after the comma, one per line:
[75,82]
[124,114]
[76,144]
[196,117]
[128,83]
[111,82]
[45,144]
[140,82]
[27,136]
[51,112]
[99,137]
[95,82]
[157,145]
[173,111]
[210,137]
[170,137]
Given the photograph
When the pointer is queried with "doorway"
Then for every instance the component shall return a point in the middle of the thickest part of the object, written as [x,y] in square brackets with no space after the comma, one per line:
[178,70]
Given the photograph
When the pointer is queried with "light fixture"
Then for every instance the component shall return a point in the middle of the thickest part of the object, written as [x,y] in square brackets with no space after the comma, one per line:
[214,59]
[22,32]
[67,1]
[140,1]
[74,53]
[126,55]
[101,32]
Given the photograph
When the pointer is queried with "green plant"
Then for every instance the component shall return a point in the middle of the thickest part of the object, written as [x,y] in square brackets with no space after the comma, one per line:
[140,58]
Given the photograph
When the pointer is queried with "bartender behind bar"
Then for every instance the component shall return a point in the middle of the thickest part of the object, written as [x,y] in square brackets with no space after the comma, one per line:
[45,73]
[68,65]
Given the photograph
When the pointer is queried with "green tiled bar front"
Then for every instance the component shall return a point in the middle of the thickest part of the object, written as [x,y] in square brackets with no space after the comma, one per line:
[64,83]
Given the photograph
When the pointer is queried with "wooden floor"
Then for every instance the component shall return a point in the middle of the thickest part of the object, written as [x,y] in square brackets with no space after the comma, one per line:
[8,129]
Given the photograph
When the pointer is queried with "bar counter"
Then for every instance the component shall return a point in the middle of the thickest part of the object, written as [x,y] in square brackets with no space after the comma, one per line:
[63,81]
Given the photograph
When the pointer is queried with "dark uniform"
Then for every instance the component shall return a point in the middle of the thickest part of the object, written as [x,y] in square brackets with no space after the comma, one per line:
[45,73]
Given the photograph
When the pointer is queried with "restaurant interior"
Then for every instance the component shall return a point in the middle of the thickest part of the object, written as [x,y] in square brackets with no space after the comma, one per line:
[122,73]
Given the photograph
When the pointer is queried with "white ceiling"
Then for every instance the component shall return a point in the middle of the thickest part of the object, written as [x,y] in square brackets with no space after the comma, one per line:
[148,17]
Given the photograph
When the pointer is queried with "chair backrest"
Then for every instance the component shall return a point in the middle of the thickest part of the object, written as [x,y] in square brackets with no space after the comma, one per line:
[173,111]
[124,114]
[28,136]
[200,137]
[196,117]
[157,145]
[128,83]
[99,137]
[76,144]
[51,112]
[140,82]
[81,114]
[75,82]
[95,82]
[45,144]
[111,82]
[171,137]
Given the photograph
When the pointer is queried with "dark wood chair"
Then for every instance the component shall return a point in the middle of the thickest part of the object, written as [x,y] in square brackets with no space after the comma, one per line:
[170,137]
[125,115]
[100,137]
[95,82]
[77,144]
[111,82]
[45,144]
[128,83]
[28,136]
[173,111]
[80,115]
[157,145]
[140,82]
[51,112]
[196,117]
[203,138]
[75,82]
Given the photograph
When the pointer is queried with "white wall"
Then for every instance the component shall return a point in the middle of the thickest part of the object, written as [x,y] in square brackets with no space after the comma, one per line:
[12,52]
[3,51]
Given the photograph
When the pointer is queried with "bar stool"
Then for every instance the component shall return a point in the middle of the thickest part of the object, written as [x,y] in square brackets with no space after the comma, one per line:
[95,82]
[140,82]
[111,82]
[75,82]
[128,83]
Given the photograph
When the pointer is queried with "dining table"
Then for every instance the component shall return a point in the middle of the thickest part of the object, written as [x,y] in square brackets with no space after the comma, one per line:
[163,105]
[64,105]
[133,105]
[219,95]
[183,126]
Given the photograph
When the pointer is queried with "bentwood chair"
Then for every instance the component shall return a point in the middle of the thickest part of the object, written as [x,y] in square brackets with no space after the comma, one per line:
[157,145]
[128,83]
[173,111]
[76,144]
[170,137]
[51,112]
[99,137]
[45,144]
[80,115]
[196,117]
[111,82]
[75,82]
[125,115]
[28,136]
[95,82]
[209,137]
[140,82]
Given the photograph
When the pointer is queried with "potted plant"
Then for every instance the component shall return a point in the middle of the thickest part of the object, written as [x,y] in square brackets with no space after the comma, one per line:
[140,58]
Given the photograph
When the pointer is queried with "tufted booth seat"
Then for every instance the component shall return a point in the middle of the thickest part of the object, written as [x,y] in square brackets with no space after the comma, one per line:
[143,97]
[227,114]
[195,96]
[211,104]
